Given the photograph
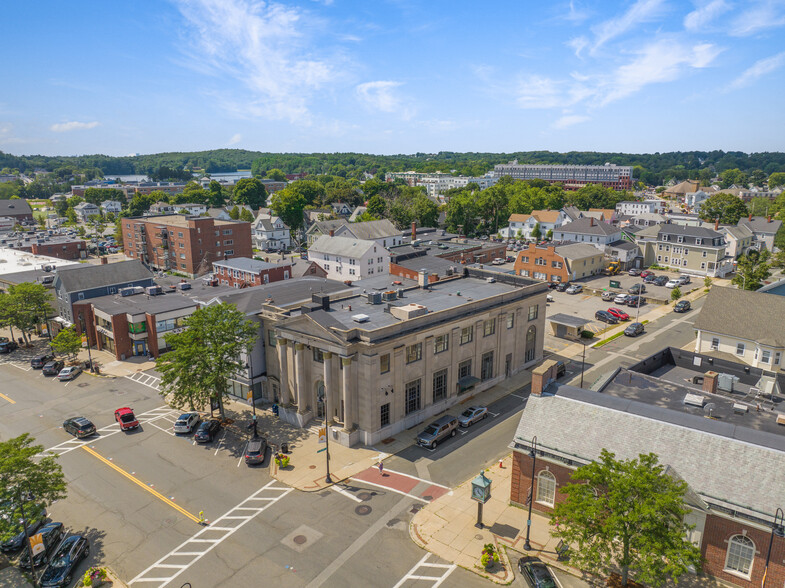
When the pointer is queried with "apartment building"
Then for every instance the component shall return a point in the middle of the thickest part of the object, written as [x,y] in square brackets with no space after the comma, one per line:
[588,230]
[242,272]
[763,228]
[618,177]
[84,210]
[559,263]
[694,250]
[520,226]
[380,363]
[637,207]
[349,259]
[185,244]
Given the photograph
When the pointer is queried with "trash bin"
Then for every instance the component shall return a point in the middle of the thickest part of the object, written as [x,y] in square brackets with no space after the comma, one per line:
[97,370]
[284,448]
[87,364]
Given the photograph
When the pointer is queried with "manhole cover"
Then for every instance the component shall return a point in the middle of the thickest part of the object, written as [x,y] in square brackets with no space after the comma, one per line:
[363,509]
[300,539]
[478,537]
[82,385]
[364,496]
[428,498]
[311,467]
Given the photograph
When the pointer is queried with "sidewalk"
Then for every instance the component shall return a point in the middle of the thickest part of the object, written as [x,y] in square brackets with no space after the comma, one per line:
[446,528]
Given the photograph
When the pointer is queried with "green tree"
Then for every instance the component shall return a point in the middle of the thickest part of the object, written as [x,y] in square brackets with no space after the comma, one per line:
[627,514]
[760,206]
[205,356]
[676,293]
[26,306]
[536,233]
[141,203]
[377,206]
[246,215]
[215,196]
[250,191]
[67,342]
[276,174]
[98,195]
[549,235]
[289,204]
[118,232]
[492,206]
[752,269]
[70,214]
[234,213]
[365,217]
[776,179]
[778,259]
[733,176]
[461,214]
[98,223]
[192,193]
[707,281]
[23,474]
[726,207]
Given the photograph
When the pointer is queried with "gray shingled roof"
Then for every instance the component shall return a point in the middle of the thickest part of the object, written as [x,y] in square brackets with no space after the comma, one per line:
[578,424]
[760,224]
[85,277]
[688,231]
[741,313]
[739,232]
[380,229]
[584,226]
[326,226]
[247,264]
[345,246]
[14,207]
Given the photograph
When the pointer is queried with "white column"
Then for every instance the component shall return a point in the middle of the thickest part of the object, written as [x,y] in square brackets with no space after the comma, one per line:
[299,351]
[346,393]
[329,397]
[283,366]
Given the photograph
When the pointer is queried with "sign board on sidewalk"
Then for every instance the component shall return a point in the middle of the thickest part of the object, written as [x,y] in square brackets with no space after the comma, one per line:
[37,543]
[322,435]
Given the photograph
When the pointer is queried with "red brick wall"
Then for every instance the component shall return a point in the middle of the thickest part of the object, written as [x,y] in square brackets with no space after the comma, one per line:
[405,272]
[275,274]
[122,340]
[522,477]
[550,255]
[69,250]
[86,310]
[152,335]
[484,254]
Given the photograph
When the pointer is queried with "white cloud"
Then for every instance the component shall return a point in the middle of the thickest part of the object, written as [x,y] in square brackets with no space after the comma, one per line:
[266,47]
[758,69]
[640,12]
[73,126]
[236,138]
[569,120]
[578,44]
[704,14]
[762,15]
[576,15]
[381,95]
[541,92]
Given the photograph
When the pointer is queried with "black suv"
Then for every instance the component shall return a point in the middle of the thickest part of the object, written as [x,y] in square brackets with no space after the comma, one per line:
[8,346]
[562,287]
[53,367]
[60,570]
[40,361]
[51,535]
[79,427]
[606,317]
[660,280]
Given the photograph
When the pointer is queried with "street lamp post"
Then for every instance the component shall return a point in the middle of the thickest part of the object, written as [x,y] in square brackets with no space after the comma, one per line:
[251,390]
[776,529]
[27,536]
[533,454]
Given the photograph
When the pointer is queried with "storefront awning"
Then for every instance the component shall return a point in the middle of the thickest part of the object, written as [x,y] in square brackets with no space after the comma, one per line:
[467,382]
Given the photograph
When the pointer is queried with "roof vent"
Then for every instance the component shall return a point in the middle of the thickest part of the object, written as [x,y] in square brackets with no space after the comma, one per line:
[695,400]
[740,408]
[361,318]
[374,297]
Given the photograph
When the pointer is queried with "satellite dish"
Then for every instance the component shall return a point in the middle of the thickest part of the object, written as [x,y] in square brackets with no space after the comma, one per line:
[709,408]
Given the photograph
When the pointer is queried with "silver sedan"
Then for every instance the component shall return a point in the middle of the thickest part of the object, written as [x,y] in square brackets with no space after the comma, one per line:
[472,414]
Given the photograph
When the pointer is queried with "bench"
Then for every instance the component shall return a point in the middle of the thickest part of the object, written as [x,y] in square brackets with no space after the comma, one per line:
[562,551]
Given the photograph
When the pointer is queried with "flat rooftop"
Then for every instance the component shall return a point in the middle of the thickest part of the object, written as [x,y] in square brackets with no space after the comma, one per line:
[180,220]
[13,261]
[141,303]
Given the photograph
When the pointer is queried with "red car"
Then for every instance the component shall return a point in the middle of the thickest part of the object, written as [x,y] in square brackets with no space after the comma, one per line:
[619,314]
[645,273]
[125,416]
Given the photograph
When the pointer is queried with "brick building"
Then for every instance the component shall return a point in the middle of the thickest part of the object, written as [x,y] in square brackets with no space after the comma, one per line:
[50,246]
[559,263]
[242,272]
[185,244]
[732,463]
[17,209]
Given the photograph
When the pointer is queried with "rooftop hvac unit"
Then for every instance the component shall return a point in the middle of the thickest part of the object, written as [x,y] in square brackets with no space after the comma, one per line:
[361,318]
[726,382]
[695,400]
[400,292]
[374,297]
[389,295]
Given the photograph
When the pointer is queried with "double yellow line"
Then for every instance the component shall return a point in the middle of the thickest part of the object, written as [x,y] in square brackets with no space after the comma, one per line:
[7,398]
[158,495]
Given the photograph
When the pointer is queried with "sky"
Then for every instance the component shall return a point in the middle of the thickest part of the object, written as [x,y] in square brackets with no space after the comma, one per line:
[392,76]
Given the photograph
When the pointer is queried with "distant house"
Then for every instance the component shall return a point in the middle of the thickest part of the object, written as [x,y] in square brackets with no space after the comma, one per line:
[318,215]
[270,233]
[381,231]
[522,225]
[559,263]
[739,239]
[349,259]
[694,200]
[190,208]
[342,209]
[626,252]
[763,228]
[84,210]
[693,250]
[112,206]
[17,209]
[635,207]
[323,227]
[588,230]
[356,213]
[243,272]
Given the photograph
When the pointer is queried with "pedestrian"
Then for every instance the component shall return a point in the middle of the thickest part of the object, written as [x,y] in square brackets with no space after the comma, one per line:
[381,468]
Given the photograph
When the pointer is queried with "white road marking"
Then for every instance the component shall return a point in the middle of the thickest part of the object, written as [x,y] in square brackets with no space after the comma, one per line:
[239,461]
[146,380]
[418,479]
[447,569]
[221,440]
[493,414]
[340,490]
[197,547]
[391,490]
[518,396]
[27,369]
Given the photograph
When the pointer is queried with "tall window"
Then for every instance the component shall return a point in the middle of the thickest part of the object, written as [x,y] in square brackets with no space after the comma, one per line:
[465,369]
[384,363]
[741,552]
[318,355]
[467,334]
[486,371]
[533,312]
[715,343]
[413,396]
[414,353]
[488,327]
[384,413]
[440,385]
[510,321]
[546,488]
[441,343]
[531,339]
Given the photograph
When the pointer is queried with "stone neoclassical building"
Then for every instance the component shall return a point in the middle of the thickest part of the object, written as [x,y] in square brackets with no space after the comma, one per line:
[377,363]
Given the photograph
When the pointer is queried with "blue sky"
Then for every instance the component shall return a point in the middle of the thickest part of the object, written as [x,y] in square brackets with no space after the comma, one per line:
[392,76]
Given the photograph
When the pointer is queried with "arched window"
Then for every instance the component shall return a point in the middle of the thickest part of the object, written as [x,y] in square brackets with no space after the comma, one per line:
[546,488]
[741,553]
[531,339]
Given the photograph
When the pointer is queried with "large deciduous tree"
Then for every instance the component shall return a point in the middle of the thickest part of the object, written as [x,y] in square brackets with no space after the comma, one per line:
[725,207]
[627,514]
[205,356]
[67,342]
[752,269]
[25,306]
[289,204]
[250,191]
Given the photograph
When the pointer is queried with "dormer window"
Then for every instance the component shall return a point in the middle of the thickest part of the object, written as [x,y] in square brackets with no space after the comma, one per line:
[698,241]
[681,239]
[664,237]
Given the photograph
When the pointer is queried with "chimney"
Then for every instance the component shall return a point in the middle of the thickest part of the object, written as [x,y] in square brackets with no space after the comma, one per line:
[542,376]
[332,232]
[591,221]
[414,230]
[710,382]
[749,217]
[422,279]
[768,218]
[104,261]
[717,224]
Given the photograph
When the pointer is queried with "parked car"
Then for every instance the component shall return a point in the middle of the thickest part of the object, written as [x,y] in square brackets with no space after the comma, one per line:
[69,373]
[619,314]
[34,521]
[79,427]
[549,297]
[509,259]
[39,361]
[536,574]
[553,285]
[575,289]
[255,450]
[637,289]
[207,431]
[650,279]
[186,422]
[562,287]
[673,283]
[683,279]
[8,346]
[621,298]
[53,367]
[646,273]
[64,562]
[635,301]
[682,306]
[660,280]
[608,295]
[498,261]
[561,369]
[51,535]
[437,431]
[472,414]
[634,272]
[125,417]
[634,329]
[606,317]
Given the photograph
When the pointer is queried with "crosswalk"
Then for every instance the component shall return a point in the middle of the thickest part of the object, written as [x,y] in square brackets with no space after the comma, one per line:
[146,380]
[192,550]
[417,573]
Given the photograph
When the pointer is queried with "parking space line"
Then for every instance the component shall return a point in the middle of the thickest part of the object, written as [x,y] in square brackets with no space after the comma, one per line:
[437,580]
[221,440]
[141,484]
[4,397]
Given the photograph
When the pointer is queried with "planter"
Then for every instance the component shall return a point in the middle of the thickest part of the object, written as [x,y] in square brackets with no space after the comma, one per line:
[282,461]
